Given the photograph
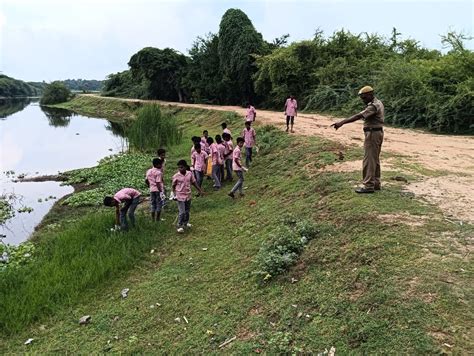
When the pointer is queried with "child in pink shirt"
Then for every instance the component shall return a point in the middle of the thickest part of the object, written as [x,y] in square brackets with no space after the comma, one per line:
[249,136]
[205,135]
[225,129]
[229,148]
[251,113]
[215,162]
[221,150]
[130,198]
[182,182]
[199,163]
[238,168]
[154,178]
[291,110]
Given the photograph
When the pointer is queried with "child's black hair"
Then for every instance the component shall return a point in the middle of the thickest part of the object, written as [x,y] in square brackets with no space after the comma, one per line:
[157,162]
[160,151]
[210,141]
[197,146]
[248,123]
[240,139]
[109,201]
[205,131]
[218,138]
[224,125]
[196,139]
[225,135]
[183,163]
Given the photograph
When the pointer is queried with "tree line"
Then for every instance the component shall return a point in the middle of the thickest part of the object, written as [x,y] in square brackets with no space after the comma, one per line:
[419,87]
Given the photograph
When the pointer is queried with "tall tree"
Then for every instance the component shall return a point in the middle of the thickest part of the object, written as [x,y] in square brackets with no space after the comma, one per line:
[238,43]
[162,70]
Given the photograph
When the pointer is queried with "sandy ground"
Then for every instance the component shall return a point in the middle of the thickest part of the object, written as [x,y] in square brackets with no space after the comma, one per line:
[453,155]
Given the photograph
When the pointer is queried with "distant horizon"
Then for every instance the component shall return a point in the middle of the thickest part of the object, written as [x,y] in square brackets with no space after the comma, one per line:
[69,41]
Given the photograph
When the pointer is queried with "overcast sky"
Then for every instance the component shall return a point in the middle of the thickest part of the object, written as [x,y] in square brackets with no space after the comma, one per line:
[60,39]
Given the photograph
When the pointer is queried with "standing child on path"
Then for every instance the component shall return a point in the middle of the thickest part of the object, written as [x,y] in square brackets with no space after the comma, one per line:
[249,136]
[199,163]
[154,177]
[251,114]
[291,110]
[238,168]
[130,198]
[215,162]
[229,148]
[182,181]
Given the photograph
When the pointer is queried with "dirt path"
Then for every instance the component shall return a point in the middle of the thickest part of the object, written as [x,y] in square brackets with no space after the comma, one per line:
[453,155]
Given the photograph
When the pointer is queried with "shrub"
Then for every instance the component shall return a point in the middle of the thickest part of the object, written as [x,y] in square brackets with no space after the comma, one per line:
[282,250]
[152,130]
[55,93]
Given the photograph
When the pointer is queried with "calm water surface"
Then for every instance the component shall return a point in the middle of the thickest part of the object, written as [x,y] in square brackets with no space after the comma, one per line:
[40,141]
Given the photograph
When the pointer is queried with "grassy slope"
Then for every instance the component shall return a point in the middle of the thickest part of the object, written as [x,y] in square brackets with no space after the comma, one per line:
[364,285]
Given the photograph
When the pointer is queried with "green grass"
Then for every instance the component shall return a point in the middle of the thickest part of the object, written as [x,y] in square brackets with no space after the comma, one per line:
[365,284]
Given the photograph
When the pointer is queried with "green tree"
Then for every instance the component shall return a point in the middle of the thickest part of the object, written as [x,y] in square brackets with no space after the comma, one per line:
[55,92]
[238,43]
[162,71]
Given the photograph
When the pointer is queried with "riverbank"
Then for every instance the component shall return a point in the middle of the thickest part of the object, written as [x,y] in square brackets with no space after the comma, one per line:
[386,272]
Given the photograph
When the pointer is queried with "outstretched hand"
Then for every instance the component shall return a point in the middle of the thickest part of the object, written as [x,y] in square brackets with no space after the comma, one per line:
[336,125]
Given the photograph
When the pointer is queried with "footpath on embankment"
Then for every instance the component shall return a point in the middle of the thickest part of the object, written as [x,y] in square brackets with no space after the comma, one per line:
[445,162]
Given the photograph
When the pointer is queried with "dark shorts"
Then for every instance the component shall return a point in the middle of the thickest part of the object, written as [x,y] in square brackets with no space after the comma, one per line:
[290,119]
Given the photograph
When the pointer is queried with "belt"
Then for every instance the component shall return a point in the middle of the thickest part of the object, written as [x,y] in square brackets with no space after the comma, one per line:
[370,129]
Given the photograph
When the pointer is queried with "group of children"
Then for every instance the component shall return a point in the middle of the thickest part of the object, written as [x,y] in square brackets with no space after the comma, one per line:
[216,158]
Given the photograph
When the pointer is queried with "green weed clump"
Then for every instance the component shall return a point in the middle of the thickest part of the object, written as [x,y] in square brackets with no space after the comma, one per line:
[282,250]
[112,174]
[13,257]
[6,210]
[152,130]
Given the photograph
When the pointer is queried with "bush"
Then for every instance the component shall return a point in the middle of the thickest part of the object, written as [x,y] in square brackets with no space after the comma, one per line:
[283,248]
[152,130]
[55,93]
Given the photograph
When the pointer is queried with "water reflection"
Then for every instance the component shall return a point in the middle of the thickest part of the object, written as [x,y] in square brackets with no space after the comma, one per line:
[115,128]
[11,106]
[57,117]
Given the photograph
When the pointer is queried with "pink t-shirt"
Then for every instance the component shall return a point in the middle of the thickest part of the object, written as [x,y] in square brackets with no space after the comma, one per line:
[183,185]
[249,137]
[214,153]
[226,130]
[236,158]
[291,106]
[229,147]
[198,160]
[126,194]
[203,149]
[221,150]
[155,178]
[250,116]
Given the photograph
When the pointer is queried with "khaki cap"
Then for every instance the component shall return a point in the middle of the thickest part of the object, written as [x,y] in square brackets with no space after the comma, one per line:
[366,89]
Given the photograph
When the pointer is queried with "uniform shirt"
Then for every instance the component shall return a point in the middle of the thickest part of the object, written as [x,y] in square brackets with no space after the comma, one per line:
[373,114]
[290,107]
[250,116]
[249,137]
[183,185]
[155,178]
[126,194]
[206,145]
[229,147]
[226,130]
[199,160]
[214,154]
[221,150]
[163,163]
[203,149]
[236,158]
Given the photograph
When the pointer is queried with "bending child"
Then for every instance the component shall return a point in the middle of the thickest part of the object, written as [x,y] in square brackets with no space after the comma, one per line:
[130,198]
[182,181]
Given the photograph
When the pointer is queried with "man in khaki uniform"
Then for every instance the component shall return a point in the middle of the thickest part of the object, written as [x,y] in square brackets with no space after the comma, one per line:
[373,116]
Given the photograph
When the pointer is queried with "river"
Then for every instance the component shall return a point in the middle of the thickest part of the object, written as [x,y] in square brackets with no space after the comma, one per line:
[36,141]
